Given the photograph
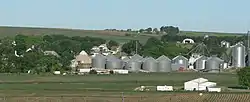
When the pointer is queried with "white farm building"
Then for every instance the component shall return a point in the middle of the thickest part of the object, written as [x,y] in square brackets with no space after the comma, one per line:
[199,84]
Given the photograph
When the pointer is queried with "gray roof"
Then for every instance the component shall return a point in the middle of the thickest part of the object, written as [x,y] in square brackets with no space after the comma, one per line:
[136,56]
[180,57]
[163,58]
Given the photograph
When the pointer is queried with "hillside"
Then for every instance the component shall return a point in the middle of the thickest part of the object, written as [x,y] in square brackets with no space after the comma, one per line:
[109,35]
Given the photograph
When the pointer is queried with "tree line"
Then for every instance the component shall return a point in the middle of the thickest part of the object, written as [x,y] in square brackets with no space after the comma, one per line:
[23,53]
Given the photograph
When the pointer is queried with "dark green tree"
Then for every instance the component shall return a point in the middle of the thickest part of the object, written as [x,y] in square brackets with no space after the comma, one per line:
[112,43]
[130,47]
[244,76]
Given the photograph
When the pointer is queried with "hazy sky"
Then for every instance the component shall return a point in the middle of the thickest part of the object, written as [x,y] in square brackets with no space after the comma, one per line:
[199,15]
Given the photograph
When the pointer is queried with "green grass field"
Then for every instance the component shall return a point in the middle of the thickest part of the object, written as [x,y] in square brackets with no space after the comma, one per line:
[107,88]
[116,83]
[108,35]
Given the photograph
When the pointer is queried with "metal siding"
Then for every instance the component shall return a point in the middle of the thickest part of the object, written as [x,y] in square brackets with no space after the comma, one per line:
[99,61]
[164,64]
[238,54]
[200,63]
[181,60]
[133,66]
[150,64]
[114,64]
[213,64]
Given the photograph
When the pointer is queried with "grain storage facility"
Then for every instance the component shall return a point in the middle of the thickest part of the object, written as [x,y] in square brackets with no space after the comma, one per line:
[114,63]
[200,63]
[99,61]
[164,64]
[214,64]
[150,64]
[181,60]
[238,56]
[134,65]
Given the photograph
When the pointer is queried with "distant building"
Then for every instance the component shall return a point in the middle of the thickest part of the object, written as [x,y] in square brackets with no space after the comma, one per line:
[199,84]
[188,41]
[104,50]
[51,53]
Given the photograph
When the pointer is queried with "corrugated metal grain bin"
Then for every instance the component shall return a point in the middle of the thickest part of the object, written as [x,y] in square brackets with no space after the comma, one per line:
[99,61]
[134,65]
[214,64]
[114,64]
[150,64]
[181,60]
[200,63]
[164,64]
[238,56]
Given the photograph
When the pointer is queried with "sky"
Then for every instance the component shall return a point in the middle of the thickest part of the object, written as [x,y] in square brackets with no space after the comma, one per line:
[189,15]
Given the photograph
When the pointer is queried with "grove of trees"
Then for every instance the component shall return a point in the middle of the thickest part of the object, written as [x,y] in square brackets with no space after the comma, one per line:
[30,52]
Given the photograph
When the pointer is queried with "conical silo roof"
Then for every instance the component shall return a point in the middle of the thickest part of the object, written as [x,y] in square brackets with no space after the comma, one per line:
[126,59]
[136,56]
[180,57]
[150,59]
[163,58]
[111,57]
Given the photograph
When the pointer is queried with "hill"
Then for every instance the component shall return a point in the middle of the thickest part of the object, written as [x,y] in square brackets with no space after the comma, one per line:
[108,35]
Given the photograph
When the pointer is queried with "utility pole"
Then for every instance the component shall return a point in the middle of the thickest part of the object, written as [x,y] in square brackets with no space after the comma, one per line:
[248,50]
[136,47]
[122,97]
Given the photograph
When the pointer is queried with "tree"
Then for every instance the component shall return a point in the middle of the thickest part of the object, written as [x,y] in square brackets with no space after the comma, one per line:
[129,30]
[112,43]
[244,76]
[130,47]
[155,30]
[170,30]
[149,30]
[141,30]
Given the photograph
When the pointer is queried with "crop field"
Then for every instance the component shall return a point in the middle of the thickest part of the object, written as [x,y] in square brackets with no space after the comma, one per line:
[108,35]
[186,97]
[111,88]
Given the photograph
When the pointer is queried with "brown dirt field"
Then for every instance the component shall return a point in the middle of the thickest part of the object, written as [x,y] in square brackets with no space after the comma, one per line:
[188,97]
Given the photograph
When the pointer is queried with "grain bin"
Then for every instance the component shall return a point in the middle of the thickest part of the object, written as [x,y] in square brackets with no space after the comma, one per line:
[114,64]
[238,55]
[200,63]
[214,64]
[181,60]
[150,64]
[99,61]
[164,64]
[134,65]
[125,60]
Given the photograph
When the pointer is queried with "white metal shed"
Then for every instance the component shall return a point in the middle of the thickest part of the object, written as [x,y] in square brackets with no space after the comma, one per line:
[198,84]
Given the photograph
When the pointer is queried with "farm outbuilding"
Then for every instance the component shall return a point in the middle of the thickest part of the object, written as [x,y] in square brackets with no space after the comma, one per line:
[214,64]
[181,60]
[164,64]
[99,61]
[200,63]
[114,63]
[150,64]
[133,65]
[238,55]
[84,61]
[199,84]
